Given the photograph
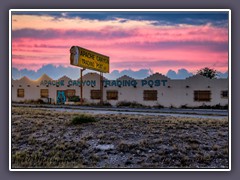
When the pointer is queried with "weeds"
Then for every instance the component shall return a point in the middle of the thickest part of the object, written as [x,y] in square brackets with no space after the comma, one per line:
[82,118]
[48,141]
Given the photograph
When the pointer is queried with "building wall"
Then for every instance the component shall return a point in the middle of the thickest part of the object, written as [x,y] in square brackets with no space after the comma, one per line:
[171,93]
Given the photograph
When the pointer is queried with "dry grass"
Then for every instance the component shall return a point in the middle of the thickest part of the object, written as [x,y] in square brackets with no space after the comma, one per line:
[48,139]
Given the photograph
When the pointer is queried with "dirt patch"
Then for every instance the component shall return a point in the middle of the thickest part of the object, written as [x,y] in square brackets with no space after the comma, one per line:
[47,139]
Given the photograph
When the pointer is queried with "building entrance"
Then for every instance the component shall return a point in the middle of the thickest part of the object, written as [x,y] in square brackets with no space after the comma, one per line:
[61,97]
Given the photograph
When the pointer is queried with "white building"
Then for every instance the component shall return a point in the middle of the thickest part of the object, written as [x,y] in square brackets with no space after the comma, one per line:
[154,90]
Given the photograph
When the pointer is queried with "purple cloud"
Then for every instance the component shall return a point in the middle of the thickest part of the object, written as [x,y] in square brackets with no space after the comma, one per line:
[54,34]
[143,64]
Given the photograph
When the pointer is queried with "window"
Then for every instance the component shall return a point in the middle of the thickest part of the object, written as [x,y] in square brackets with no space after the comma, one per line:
[20,93]
[70,92]
[150,95]
[202,95]
[224,94]
[112,95]
[95,94]
[44,93]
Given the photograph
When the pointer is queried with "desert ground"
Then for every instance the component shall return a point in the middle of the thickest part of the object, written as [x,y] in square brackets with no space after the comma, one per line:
[43,138]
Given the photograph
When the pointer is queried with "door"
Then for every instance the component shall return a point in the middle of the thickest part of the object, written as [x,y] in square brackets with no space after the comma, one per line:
[61,97]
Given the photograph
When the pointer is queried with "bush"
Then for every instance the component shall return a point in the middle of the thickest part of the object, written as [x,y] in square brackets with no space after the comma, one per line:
[32,101]
[123,104]
[129,104]
[40,101]
[83,118]
[74,99]
[158,106]
[217,106]
[185,106]
[105,104]
[172,107]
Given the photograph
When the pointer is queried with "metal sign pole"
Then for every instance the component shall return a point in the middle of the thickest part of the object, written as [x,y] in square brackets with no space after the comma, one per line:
[81,87]
[101,88]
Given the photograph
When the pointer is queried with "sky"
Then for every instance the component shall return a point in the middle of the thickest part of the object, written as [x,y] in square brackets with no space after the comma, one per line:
[157,41]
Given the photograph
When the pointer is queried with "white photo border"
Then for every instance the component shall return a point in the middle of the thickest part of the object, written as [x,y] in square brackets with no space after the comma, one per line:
[118,10]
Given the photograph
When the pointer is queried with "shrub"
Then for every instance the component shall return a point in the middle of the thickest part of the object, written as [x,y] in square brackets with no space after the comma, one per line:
[32,101]
[74,99]
[217,106]
[172,107]
[184,106]
[83,118]
[106,104]
[158,106]
[126,147]
[123,103]
[129,104]
[40,101]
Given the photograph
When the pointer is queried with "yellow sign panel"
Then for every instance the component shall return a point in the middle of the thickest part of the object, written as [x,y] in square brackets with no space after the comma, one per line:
[88,59]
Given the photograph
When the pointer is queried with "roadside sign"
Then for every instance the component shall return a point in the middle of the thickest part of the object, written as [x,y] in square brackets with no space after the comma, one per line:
[85,58]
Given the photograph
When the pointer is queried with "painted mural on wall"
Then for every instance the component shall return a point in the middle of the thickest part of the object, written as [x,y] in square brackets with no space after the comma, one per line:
[61,98]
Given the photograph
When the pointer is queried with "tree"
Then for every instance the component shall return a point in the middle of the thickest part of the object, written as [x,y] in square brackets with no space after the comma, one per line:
[208,72]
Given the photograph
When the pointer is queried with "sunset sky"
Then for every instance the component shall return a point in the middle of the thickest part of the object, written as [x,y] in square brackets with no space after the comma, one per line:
[159,41]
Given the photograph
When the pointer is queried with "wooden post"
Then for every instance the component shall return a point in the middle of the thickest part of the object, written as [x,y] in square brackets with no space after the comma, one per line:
[81,86]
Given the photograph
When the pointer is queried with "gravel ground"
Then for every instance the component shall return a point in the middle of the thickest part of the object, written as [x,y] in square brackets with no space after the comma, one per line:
[47,139]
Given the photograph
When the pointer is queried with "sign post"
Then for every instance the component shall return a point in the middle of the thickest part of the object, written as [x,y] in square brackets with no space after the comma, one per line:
[88,59]
[81,86]
[101,88]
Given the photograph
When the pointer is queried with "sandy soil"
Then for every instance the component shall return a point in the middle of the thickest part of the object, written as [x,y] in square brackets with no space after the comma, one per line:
[47,139]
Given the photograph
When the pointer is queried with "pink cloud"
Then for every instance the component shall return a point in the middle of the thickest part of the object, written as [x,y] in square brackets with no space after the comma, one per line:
[202,45]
